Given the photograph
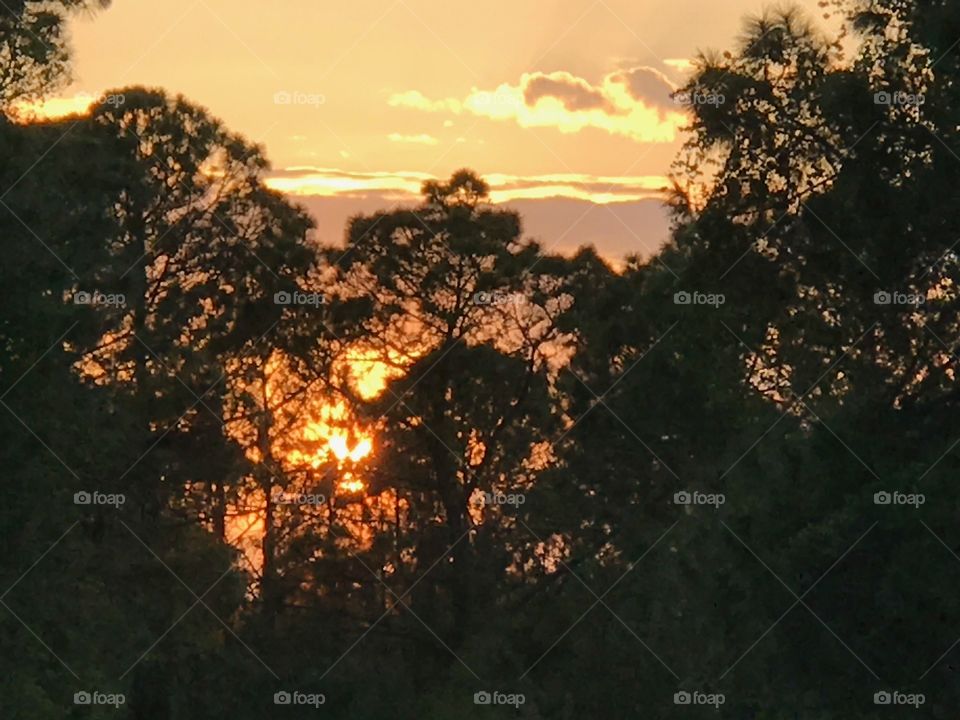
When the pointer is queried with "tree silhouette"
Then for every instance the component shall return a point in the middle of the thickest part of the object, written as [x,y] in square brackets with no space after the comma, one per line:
[33,45]
[728,468]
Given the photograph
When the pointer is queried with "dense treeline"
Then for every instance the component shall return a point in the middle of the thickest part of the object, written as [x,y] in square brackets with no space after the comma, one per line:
[723,474]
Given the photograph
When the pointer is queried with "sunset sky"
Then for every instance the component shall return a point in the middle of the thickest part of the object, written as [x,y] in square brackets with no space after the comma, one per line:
[561,104]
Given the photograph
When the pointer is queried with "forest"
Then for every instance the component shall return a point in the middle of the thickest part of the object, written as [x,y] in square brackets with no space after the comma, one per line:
[437,471]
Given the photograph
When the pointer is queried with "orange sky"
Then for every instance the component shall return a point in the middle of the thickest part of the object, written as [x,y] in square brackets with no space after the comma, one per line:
[560,103]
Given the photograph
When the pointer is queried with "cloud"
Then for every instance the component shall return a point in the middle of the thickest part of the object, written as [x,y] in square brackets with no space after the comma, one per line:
[418,101]
[573,92]
[598,189]
[328,182]
[647,86]
[618,214]
[422,139]
[683,65]
[633,103]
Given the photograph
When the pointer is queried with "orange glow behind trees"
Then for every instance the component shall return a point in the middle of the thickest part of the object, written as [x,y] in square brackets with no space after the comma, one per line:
[322,442]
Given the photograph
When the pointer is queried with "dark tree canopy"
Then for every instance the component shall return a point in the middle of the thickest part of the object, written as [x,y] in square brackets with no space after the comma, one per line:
[34,49]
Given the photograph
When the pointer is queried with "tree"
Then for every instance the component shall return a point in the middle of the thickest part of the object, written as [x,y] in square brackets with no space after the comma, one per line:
[33,47]
[473,337]
[821,215]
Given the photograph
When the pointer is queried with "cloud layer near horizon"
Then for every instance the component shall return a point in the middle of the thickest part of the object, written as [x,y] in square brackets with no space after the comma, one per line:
[598,189]
[617,215]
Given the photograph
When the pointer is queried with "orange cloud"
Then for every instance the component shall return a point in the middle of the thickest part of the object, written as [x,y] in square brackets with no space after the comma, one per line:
[633,103]
[417,100]
[422,139]
[683,65]
[600,189]
[329,182]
